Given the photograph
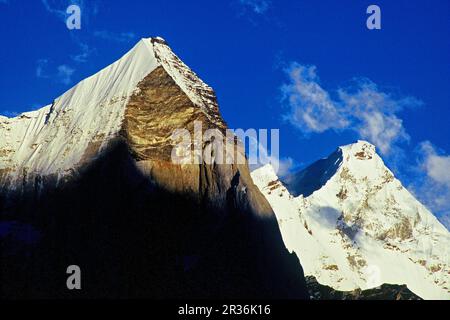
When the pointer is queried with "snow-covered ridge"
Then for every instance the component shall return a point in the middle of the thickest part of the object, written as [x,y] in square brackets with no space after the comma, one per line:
[360,228]
[57,138]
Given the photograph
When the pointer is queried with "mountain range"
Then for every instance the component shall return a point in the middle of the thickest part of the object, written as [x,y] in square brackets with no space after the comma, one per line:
[89,180]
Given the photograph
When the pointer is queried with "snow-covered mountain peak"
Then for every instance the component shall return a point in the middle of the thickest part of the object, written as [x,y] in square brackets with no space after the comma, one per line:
[360,150]
[362,160]
[359,145]
[81,122]
[347,217]
[354,162]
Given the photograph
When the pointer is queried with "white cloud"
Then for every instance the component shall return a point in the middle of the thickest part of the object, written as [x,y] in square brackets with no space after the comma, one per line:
[281,166]
[286,166]
[361,107]
[435,196]
[382,130]
[437,167]
[119,37]
[257,6]
[312,109]
[432,186]
[88,9]
[373,113]
[84,53]
[40,68]
[57,8]
[64,74]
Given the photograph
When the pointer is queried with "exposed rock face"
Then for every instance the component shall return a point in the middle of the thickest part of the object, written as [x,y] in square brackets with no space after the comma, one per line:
[137,224]
[152,115]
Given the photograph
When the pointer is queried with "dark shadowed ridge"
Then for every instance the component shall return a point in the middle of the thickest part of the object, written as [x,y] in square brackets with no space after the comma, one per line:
[312,178]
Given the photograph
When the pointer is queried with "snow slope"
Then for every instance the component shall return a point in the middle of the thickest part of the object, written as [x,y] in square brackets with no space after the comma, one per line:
[57,138]
[354,225]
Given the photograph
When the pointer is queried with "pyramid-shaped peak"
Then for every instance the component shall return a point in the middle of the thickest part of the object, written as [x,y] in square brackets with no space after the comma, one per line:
[93,110]
[153,40]
[347,212]
[359,159]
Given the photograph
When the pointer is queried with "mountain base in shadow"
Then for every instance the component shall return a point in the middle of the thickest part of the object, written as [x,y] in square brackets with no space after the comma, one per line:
[319,291]
[133,239]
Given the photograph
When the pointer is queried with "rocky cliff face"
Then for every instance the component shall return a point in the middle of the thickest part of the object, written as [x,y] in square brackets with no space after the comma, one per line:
[89,181]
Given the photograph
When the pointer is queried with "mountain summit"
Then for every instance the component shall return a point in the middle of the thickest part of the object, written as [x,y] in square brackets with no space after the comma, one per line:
[89,181]
[64,135]
[354,225]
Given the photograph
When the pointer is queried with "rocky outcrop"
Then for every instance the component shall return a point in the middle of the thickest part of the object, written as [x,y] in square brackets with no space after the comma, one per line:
[158,109]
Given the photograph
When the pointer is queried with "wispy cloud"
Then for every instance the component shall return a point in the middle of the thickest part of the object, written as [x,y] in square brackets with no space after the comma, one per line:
[57,8]
[286,166]
[85,52]
[40,68]
[88,8]
[115,36]
[63,73]
[312,109]
[432,186]
[256,6]
[361,107]
[435,165]
[374,113]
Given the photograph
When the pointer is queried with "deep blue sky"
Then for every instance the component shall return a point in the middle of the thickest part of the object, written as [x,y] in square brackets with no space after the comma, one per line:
[241,50]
